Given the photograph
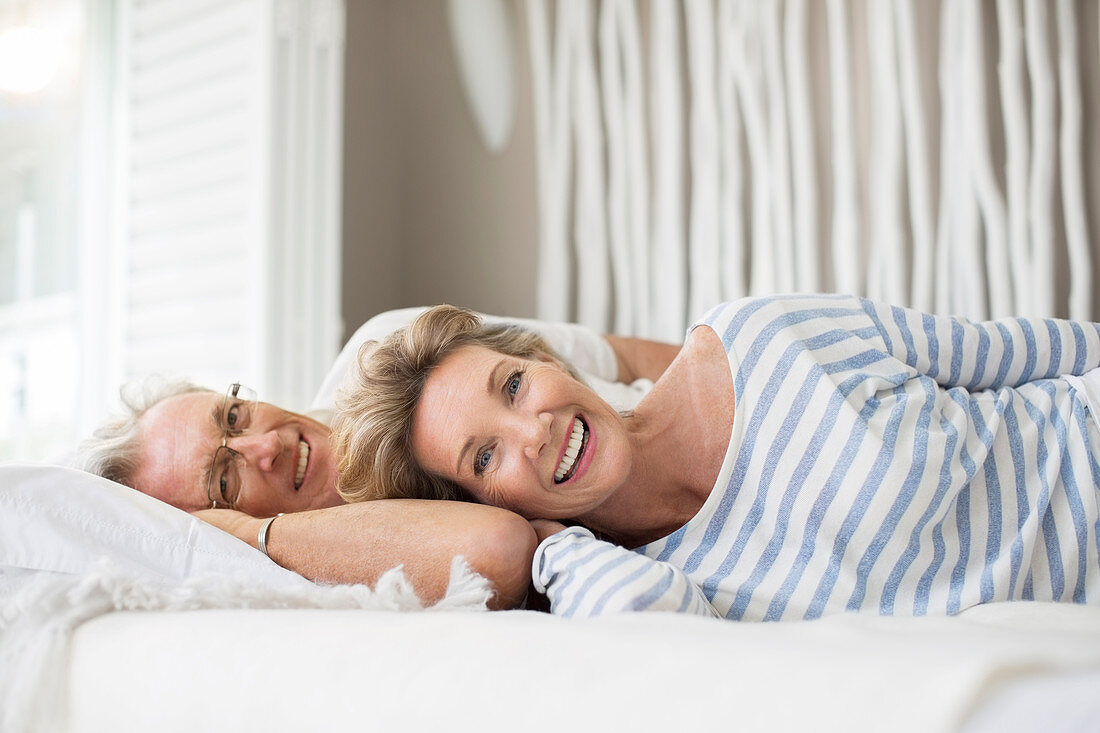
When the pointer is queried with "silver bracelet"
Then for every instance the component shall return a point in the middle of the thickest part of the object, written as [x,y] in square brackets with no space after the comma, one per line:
[262,539]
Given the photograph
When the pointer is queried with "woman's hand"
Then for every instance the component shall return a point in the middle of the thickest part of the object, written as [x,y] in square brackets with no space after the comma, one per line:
[546,527]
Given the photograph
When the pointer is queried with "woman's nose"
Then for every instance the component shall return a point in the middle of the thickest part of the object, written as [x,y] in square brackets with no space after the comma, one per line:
[259,449]
[536,434]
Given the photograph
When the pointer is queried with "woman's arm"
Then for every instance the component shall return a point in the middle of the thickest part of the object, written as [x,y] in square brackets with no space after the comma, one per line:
[582,576]
[357,543]
[958,352]
[641,359]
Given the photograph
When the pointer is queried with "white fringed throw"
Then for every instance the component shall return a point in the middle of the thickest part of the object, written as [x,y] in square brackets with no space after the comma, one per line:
[37,621]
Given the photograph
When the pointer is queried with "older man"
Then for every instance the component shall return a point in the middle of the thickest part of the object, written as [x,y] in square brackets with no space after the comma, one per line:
[236,462]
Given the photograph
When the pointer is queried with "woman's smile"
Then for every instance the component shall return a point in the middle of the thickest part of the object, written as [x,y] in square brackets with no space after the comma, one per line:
[575,454]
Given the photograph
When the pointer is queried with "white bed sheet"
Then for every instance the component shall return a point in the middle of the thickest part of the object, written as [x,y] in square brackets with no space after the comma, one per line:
[520,670]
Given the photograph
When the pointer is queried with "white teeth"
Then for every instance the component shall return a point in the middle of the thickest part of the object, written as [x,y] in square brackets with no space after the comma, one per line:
[576,440]
[303,460]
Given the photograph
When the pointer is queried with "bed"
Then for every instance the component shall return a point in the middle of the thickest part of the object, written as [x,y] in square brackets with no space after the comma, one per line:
[121,613]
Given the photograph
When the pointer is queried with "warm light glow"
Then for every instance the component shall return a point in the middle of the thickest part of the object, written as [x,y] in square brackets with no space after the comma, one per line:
[29,58]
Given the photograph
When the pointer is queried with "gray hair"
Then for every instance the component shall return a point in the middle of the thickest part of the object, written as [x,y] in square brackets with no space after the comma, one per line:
[112,451]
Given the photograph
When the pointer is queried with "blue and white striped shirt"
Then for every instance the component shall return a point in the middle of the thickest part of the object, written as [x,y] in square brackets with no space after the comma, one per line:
[882,460]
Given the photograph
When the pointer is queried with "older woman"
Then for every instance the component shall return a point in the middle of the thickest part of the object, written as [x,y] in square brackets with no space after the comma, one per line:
[803,456]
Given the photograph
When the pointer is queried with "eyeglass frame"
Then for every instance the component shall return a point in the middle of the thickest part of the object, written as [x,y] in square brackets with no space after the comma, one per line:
[232,395]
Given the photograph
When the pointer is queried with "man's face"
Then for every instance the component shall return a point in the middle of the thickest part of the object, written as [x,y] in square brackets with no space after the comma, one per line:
[182,433]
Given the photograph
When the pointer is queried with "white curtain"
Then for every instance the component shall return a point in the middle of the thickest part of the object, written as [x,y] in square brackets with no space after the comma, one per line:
[694,151]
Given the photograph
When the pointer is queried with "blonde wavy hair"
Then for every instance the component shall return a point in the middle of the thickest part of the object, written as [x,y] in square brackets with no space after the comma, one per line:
[372,431]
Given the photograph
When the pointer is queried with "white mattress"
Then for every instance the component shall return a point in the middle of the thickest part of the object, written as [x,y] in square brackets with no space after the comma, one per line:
[263,670]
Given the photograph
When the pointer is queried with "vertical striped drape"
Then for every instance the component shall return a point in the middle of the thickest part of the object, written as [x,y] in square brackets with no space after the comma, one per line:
[693,151]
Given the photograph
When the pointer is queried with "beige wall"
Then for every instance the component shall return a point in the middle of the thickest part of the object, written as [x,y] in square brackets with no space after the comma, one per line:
[429,215]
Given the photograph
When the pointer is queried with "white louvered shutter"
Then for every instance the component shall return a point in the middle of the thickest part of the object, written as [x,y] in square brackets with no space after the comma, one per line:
[228,182]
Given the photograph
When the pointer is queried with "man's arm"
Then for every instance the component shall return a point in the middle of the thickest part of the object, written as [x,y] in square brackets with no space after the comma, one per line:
[639,358]
[357,543]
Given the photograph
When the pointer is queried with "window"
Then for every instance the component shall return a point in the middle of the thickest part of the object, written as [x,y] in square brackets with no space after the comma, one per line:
[169,203]
[43,88]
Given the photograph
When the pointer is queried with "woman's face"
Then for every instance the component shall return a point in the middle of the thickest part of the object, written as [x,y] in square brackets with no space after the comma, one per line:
[520,434]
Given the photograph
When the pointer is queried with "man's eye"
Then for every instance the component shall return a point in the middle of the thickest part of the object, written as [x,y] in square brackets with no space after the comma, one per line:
[229,485]
[232,416]
[481,461]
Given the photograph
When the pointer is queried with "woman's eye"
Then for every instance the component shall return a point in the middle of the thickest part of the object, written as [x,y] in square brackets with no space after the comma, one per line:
[481,461]
[514,383]
[231,417]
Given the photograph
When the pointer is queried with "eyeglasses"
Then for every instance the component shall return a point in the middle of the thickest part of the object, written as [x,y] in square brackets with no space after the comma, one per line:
[223,486]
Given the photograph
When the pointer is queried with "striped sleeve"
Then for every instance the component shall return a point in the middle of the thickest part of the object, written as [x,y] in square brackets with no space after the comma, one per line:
[583,576]
[1009,352]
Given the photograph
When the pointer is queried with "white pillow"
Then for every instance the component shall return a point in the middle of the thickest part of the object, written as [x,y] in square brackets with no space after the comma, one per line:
[583,348]
[63,520]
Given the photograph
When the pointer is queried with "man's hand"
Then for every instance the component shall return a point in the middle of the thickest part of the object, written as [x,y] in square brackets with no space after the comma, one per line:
[639,358]
[243,526]
[546,527]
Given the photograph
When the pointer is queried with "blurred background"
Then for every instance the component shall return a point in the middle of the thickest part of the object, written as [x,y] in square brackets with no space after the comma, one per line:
[225,189]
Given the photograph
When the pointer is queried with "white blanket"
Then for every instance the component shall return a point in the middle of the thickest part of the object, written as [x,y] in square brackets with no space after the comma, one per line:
[75,546]
[37,621]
